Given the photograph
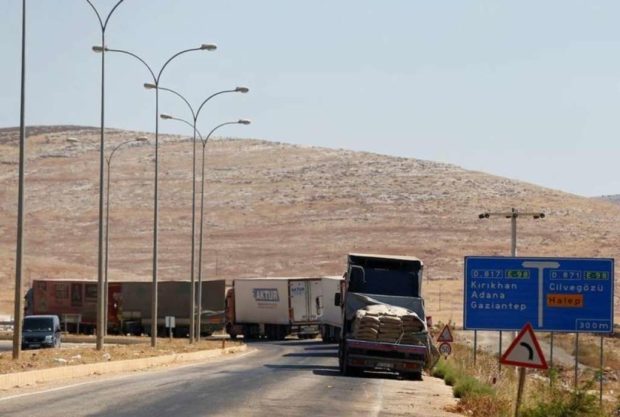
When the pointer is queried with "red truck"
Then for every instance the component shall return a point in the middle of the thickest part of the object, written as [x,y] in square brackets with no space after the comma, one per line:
[129,305]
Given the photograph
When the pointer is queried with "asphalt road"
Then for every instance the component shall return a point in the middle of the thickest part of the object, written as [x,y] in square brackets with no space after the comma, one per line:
[290,378]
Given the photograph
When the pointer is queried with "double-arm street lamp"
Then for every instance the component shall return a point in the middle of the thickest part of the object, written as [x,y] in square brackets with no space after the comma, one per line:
[195,115]
[202,199]
[108,160]
[103,24]
[156,78]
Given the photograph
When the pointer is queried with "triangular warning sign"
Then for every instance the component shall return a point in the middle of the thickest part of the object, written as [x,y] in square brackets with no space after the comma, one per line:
[446,335]
[525,351]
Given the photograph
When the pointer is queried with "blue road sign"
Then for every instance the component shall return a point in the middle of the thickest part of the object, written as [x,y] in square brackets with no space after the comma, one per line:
[553,294]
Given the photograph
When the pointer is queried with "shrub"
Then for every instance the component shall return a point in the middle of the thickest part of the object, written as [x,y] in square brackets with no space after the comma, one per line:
[468,386]
[560,403]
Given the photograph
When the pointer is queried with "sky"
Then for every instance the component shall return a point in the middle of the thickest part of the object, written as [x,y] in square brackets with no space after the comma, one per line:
[528,90]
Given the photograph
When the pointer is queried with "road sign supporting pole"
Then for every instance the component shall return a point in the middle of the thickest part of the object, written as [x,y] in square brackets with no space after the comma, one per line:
[500,353]
[551,358]
[576,358]
[475,345]
[600,398]
[520,390]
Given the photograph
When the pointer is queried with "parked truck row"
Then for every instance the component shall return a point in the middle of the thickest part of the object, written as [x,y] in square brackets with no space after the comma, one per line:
[375,312]
[253,307]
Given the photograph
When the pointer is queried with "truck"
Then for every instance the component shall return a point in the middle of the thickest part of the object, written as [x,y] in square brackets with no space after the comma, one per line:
[393,284]
[274,308]
[331,320]
[129,305]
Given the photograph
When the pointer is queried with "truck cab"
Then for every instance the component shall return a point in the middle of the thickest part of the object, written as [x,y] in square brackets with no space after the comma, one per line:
[41,331]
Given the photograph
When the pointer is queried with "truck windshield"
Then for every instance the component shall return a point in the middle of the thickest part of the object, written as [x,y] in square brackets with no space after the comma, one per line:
[384,282]
[36,324]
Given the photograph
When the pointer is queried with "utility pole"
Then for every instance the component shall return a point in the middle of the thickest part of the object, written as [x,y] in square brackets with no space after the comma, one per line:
[513,215]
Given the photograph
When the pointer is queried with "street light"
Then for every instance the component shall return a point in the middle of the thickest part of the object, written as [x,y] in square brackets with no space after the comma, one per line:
[204,144]
[19,249]
[156,78]
[195,115]
[202,199]
[108,160]
[100,319]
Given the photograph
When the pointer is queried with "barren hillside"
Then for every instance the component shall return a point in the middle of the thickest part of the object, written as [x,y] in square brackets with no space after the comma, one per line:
[275,209]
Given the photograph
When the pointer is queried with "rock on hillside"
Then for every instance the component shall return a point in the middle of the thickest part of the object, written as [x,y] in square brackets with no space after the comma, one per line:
[276,209]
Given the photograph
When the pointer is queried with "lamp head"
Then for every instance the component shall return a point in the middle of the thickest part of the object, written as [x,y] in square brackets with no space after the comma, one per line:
[244,121]
[242,90]
[149,86]
[166,116]
[142,139]
[208,47]
[99,49]
[72,140]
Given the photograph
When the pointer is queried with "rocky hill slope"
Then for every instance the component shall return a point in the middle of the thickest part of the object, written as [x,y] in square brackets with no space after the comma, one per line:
[274,209]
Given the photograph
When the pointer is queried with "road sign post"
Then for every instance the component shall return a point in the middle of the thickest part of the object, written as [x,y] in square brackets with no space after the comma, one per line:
[524,352]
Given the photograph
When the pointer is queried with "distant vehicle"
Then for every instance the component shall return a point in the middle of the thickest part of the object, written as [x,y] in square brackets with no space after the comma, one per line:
[41,332]
[393,283]
[274,308]
[129,305]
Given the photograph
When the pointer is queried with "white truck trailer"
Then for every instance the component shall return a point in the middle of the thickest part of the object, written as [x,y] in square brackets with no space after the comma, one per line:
[331,320]
[275,307]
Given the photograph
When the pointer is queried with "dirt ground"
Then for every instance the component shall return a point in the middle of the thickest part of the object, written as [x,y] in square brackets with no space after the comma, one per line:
[77,354]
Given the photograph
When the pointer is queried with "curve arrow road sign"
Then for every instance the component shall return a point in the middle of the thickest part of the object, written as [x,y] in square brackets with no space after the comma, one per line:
[525,351]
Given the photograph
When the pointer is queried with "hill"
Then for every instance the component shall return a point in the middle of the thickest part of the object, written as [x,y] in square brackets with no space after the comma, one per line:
[274,209]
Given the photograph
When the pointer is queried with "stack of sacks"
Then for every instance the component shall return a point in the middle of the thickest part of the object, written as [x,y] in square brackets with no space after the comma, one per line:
[366,326]
[390,329]
[412,324]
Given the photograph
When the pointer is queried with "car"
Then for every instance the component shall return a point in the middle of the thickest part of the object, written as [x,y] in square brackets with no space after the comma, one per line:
[41,331]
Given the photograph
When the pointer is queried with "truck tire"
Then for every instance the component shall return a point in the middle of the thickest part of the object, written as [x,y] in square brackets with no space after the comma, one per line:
[348,370]
[414,376]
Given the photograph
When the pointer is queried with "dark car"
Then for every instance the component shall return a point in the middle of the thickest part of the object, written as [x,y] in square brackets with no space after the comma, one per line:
[41,331]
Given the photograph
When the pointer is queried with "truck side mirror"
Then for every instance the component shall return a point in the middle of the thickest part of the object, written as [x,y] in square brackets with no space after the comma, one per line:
[337,299]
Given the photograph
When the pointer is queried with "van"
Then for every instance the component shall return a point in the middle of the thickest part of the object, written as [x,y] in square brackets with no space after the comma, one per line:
[40,331]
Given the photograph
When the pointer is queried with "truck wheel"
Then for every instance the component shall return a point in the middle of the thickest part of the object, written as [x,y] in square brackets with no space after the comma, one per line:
[414,376]
[348,370]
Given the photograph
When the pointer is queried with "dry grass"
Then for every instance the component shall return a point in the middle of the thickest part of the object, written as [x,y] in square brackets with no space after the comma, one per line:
[493,394]
[77,355]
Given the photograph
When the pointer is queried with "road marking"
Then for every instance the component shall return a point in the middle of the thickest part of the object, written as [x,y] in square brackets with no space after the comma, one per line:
[27,394]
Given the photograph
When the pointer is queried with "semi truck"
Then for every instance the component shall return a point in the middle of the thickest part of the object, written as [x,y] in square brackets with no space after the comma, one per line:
[391,286]
[331,320]
[274,308]
[129,305]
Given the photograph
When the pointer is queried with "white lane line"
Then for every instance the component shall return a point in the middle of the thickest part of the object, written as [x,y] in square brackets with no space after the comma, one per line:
[28,394]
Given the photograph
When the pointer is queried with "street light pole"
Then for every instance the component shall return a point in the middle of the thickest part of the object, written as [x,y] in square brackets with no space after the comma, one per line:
[18,312]
[156,79]
[202,199]
[107,228]
[100,305]
[195,115]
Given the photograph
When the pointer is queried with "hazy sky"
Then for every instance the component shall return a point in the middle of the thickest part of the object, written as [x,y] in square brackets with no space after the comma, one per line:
[522,89]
